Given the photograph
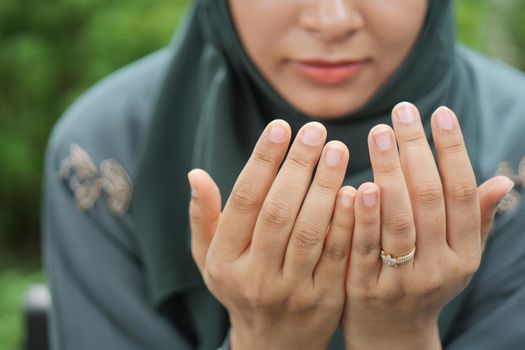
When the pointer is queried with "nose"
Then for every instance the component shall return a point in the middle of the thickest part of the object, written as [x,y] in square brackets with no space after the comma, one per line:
[333,20]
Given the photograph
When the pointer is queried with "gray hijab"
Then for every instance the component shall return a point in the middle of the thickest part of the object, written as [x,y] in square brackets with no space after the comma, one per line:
[214,104]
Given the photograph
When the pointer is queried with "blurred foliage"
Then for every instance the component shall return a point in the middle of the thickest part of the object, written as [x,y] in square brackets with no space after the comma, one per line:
[52,51]
[516,28]
[15,283]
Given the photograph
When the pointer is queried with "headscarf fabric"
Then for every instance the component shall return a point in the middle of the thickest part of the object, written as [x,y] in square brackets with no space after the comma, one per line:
[214,104]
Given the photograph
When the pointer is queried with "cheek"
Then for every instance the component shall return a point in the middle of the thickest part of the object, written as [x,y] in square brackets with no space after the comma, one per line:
[263,27]
[394,28]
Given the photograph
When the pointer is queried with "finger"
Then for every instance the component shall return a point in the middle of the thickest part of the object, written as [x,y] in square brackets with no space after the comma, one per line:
[365,263]
[205,210]
[333,264]
[459,183]
[422,179]
[398,236]
[243,206]
[282,204]
[308,234]
[491,192]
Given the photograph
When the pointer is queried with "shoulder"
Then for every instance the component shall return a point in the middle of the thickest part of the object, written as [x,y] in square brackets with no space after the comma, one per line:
[500,91]
[93,145]
[109,118]
[490,70]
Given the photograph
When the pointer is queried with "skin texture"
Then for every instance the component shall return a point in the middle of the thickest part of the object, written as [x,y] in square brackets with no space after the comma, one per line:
[283,251]
[291,258]
[276,34]
[437,210]
[269,262]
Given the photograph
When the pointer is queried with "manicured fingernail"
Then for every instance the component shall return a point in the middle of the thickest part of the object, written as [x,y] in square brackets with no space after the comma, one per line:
[406,114]
[333,156]
[346,200]
[277,133]
[313,135]
[444,119]
[194,192]
[370,197]
[382,139]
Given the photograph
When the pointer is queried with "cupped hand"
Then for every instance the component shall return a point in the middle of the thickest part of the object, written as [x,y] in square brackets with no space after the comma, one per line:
[438,210]
[277,255]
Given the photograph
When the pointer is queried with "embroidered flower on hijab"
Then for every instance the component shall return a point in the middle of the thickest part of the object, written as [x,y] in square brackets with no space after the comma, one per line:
[513,198]
[88,183]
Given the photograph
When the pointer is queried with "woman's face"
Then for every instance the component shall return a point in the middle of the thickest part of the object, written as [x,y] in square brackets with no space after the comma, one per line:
[327,58]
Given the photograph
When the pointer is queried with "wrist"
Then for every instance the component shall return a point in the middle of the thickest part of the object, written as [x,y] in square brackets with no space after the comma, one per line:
[409,338]
[242,341]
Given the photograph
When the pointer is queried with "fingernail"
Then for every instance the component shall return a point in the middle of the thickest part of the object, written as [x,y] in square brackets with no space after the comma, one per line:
[382,139]
[277,133]
[370,197]
[333,155]
[405,113]
[313,135]
[194,192]
[347,200]
[444,119]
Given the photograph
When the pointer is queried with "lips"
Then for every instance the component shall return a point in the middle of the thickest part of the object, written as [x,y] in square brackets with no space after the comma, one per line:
[328,72]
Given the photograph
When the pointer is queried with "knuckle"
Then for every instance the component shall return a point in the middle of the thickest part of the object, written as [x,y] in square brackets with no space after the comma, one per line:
[335,304]
[325,185]
[257,298]
[454,147]
[358,293]
[471,268]
[276,213]
[434,284]
[414,139]
[392,295]
[203,219]
[428,192]
[306,236]
[263,159]
[373,296]
[244,198]
[367,223]
[342,225]
[216,272]
[334,252]
[301,161]
[366,248]
[400,224]
[361,293]
[300,304]
[464,192]
[388,168]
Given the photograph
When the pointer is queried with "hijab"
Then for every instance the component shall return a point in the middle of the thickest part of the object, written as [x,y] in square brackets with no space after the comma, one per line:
[214,104]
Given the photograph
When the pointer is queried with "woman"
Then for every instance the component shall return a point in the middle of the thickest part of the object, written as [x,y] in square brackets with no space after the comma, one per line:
[295,253]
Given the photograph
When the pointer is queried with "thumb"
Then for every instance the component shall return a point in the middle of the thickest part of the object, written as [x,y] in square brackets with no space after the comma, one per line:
[205,211]
[490,194]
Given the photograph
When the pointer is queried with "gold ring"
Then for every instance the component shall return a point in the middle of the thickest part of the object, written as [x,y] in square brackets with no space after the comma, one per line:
[395,261]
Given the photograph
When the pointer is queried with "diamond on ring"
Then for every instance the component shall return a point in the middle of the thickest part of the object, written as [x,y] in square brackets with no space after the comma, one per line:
[395,261]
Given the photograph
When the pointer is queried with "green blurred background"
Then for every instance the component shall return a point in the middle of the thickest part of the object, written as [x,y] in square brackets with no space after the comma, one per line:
[52,51]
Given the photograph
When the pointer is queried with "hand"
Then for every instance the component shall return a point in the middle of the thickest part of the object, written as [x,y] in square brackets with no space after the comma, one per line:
[268,257]
[413,204]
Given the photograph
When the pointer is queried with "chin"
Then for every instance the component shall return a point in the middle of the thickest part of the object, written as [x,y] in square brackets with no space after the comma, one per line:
[329,109]
[326,102]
